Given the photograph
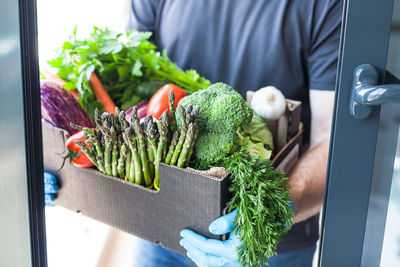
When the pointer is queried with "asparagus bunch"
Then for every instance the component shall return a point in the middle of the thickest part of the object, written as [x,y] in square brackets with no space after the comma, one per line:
[134,150]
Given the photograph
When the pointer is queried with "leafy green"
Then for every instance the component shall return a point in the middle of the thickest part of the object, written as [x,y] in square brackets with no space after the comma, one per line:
[256,137]
[122,61]
[261,196]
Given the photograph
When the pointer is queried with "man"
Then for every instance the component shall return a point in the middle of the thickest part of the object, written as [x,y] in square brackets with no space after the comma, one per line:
[291,44]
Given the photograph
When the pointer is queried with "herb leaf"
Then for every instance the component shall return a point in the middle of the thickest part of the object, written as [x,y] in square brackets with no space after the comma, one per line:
[261,195]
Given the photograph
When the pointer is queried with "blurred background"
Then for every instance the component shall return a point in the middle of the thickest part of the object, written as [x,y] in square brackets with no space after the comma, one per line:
[74,240]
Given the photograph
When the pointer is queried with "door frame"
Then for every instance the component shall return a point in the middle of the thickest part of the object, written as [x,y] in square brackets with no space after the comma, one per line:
[33,130]
[353,147]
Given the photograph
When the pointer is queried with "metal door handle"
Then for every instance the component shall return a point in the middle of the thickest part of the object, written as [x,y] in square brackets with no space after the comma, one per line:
[366,92]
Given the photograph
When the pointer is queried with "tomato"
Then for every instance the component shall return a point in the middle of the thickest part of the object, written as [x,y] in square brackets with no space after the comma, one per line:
[80,160]
[159,101]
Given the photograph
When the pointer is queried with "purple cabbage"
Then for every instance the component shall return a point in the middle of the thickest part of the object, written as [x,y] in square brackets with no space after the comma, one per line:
[142,111]
[60,108]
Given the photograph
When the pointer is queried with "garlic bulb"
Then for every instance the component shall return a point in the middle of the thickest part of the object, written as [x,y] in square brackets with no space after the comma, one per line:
[269,103]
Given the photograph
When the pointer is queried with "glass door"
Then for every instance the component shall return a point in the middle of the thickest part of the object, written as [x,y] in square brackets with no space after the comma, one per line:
[22,232]
[364,141]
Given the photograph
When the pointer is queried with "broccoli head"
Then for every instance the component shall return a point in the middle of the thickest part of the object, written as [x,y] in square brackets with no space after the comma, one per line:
[213,147]
[222,112]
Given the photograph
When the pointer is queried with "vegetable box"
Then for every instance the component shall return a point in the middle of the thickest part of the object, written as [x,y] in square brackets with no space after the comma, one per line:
[186,198]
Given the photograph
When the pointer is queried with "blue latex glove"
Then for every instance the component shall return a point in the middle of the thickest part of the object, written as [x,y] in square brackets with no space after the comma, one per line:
[50,188]
[213,252]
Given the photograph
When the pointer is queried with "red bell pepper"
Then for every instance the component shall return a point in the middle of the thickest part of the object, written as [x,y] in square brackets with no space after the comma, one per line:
[159,101]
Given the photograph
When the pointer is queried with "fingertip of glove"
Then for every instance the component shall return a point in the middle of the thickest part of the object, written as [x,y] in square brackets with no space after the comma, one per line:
[51,189]
[49,178]
[184,232]
[223,225]
[48,199]
[213,228]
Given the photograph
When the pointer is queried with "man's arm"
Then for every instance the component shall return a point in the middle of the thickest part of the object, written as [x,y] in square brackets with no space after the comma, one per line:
[307,178]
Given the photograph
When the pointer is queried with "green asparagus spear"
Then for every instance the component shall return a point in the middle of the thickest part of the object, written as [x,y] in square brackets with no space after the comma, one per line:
[128,165]
[97,118]
[87,130]
[150,152]
[107,156]
[107,123]
[151,145]
[92,141]
[99,136]
[189,109]
[182,137]
[100,164]
[189,117]
[165,149]
[195,113]
[171,102]
[107,147]
[105,131]
[122,121]
[114,161]
[162,143]
[88,153]
[135,168]
[137,179]
[172,146]
[121,161]
[195,135]
[186,146]
[141,145]
[117,111]
[96,143]
[116,122]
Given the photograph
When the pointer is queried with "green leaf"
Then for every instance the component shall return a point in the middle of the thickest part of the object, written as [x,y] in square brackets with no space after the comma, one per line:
[110,46]
[256,132]
[69,86]
[67,45]
[123,74]
[56,62]
[193,74]
[135,38]
[136,69]
[88,71]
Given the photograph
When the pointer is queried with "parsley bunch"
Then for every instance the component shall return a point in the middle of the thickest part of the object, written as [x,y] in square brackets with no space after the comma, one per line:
[261,195]
[124,62]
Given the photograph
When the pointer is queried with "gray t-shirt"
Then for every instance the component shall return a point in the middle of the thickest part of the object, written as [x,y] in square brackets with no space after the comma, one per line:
[248,44]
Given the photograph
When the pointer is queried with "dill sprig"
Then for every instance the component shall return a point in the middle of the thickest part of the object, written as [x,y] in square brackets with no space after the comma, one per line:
[261,195]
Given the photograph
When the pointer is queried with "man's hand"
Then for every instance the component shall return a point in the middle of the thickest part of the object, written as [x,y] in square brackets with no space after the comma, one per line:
[213,252]
[50,188]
